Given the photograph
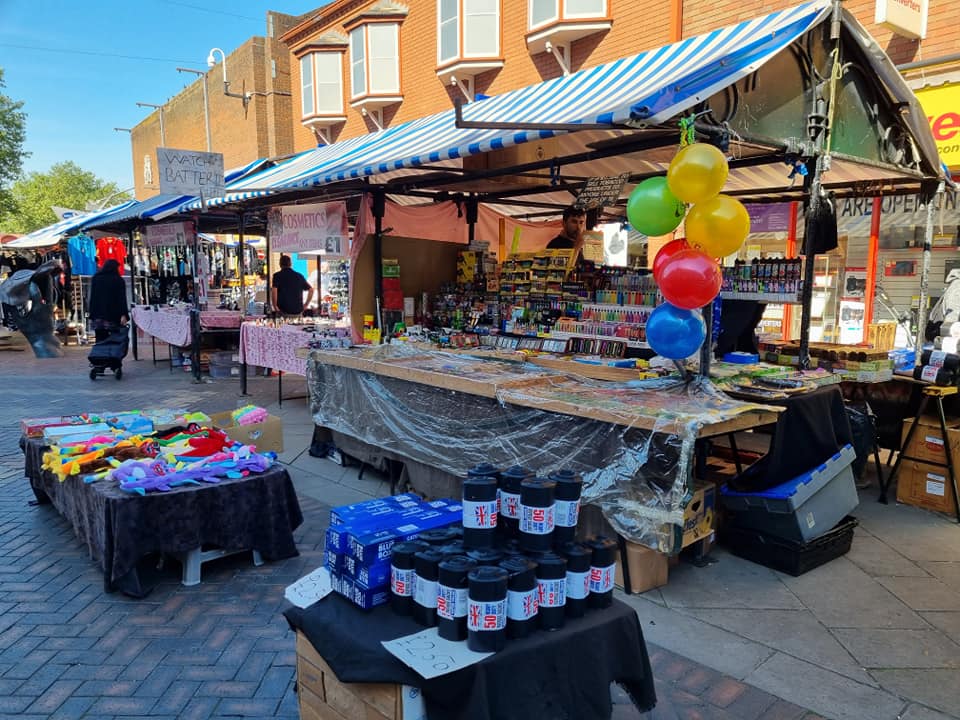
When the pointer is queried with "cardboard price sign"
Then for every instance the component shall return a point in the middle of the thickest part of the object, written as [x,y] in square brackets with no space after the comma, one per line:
[599,192]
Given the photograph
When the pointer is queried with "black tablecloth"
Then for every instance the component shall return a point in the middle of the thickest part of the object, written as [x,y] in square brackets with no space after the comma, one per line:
[258,512]
[561,675]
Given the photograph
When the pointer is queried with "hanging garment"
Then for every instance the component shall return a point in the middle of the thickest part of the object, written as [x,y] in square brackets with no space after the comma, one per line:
[83,255]
[111,248]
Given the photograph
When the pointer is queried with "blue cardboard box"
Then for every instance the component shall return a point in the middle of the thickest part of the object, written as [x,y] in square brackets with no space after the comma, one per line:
[373,576]
[343,514]
[372,546]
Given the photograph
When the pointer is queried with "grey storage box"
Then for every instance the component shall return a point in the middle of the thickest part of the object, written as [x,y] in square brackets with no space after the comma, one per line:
[801,509]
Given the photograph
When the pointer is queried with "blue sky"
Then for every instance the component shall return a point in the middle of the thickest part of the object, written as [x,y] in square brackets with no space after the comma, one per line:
[81,67]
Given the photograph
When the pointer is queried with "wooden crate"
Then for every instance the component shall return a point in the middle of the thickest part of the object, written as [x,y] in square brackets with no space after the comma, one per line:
[881,336]
[323,697]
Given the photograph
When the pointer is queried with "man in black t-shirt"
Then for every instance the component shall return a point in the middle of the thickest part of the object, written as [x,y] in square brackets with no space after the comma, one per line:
[288,289]
[574,223]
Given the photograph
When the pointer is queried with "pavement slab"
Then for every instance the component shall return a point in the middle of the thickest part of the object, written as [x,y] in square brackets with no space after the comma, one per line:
[884,648]
[935,688]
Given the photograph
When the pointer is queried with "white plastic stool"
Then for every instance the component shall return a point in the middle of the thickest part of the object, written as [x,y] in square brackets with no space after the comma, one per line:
[193,559]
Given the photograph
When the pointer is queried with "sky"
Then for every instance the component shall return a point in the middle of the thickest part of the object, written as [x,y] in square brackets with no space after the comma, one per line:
[81,67]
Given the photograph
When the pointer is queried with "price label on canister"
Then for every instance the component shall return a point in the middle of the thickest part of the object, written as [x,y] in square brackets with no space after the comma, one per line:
[510,505]
[601,579]
[578,585]
[425,592]
[451,602]
[536,520]
[480,514]
[522,605]
[489,616]
[566,512]
[552,593]
[402,582]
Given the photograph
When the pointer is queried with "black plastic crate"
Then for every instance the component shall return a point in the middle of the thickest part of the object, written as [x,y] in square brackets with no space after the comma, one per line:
[793,558]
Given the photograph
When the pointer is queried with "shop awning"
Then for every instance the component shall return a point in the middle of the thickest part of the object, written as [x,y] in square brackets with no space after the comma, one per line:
[52,234]
[656,85]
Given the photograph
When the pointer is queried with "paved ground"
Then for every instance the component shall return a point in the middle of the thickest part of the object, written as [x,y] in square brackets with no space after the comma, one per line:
[222,649]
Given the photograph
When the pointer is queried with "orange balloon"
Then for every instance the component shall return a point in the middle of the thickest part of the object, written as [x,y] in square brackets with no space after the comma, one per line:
[697,172]
[718,226]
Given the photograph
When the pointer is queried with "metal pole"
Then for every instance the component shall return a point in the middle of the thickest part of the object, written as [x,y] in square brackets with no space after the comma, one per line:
[206,112]
[163,136]
[134,292]
[195,315]
[933,201]
[379,207]
[241,266]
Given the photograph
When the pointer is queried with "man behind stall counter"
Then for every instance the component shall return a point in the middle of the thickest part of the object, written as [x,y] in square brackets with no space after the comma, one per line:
[574,223]
[288,289]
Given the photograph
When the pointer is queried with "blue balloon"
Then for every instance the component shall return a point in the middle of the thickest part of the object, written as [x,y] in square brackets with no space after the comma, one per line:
[675,333]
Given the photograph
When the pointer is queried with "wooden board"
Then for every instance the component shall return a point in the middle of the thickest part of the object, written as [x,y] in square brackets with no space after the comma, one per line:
[595,372]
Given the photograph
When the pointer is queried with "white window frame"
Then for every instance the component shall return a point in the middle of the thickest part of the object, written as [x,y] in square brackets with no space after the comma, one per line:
[307,62]
[562,14]
[393,87]
[310,60]
[460,21]
[359,32]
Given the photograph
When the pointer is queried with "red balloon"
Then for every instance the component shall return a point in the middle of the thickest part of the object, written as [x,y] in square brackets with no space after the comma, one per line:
[668,250]
[689,279]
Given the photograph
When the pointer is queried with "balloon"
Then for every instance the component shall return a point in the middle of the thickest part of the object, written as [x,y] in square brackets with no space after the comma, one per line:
[689,279]
[718,226]
[652,209]
[675,333]
[697,172]
[671,248]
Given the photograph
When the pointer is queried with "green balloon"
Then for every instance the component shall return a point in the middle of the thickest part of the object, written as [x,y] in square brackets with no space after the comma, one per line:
[653,209]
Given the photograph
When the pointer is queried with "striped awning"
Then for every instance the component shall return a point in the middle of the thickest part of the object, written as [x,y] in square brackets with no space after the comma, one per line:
[52,234]
[647,88]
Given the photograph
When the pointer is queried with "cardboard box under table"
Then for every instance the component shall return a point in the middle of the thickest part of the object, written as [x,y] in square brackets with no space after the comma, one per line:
[345,673]
[924,485]
[803,508]
[928,442]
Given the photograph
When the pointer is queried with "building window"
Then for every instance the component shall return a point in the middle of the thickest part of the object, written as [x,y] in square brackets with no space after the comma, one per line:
[375,59]
[547,11]
[321,84]
[467,29]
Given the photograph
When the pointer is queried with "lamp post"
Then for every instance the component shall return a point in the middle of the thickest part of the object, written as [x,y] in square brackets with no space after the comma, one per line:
[212,61]
[206,103]
[126,130]
[163,137]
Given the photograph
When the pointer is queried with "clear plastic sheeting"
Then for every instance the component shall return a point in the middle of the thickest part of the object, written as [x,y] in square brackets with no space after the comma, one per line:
[632,443]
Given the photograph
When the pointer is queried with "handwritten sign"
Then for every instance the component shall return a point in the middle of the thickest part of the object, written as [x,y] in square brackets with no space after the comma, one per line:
[176,234]
[599,192]
[190,172]
[317,228]
[310,588]
[432,656]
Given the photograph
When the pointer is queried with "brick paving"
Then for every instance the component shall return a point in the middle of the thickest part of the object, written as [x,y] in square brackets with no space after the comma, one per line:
[221,649]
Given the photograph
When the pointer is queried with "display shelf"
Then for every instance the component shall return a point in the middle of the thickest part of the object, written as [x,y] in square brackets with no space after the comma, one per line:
[778,298]
[561,335]
[614,306]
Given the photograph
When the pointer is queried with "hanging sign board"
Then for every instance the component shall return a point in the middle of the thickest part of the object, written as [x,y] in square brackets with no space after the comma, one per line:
[942,107]
[319,228]
[190,172]
[769,217]
[599,192]
[904,17]
[168,234]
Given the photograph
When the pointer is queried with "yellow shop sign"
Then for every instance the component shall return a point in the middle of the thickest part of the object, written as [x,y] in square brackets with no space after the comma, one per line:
[942,106]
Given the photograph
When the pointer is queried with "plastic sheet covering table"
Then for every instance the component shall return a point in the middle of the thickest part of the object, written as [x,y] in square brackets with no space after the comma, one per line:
[561,675]
[258,512]
[173,325]
[632,443]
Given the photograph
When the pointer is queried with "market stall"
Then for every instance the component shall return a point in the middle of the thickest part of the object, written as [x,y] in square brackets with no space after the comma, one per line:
[131,493]
[177,326]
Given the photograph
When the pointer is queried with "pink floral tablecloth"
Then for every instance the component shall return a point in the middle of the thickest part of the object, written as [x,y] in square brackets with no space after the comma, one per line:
[218,319]
[273,347]
[171,326]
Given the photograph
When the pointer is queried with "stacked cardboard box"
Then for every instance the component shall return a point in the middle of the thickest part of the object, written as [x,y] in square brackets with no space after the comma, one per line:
[361,537]
[925,482]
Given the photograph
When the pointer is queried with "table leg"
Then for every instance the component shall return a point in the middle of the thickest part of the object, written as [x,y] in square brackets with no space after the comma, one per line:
[736,453]
[153,346]
[949,453]
[280,387]
[625,565]
[136,349]
[243,378]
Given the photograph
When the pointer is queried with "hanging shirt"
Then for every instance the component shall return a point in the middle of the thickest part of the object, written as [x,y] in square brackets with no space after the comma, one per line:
[83,255]
[111,248]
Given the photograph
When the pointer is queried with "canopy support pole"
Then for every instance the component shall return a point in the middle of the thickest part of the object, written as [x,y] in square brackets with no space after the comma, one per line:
[134,293]
[932,200]
[378,209]
[241,265]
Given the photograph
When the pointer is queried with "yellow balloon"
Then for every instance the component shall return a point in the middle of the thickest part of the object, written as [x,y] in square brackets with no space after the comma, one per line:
[697,172]
[718,226]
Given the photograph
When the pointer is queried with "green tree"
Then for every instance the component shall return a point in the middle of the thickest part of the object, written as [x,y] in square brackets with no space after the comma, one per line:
[13,124]
[64,185]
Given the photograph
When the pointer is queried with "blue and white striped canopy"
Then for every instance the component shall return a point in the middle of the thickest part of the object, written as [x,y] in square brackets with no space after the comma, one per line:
[647,88]
[52,234]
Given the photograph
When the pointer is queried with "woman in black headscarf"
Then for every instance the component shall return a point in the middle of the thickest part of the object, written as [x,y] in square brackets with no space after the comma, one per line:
[108,300]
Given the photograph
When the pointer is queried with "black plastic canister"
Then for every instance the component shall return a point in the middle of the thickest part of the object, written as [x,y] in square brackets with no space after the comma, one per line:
[452,597]
[426,563]
[402,575]
[602,565]
[578,577]
[479,512]
[437,536]
[509,547]
[487,609]
[454,547]
[521,596]
[484,470]
[536,514]
[485,556]
[510,480]
[566,505]
[551,590]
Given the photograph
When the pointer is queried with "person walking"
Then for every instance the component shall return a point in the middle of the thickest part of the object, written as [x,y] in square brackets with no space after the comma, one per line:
[108,300]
